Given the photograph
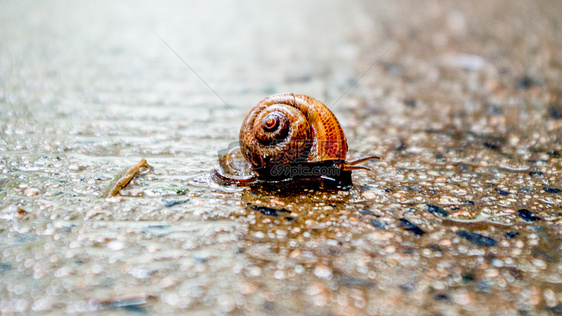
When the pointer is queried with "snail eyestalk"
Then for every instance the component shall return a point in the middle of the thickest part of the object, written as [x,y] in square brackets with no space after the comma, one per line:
[360,160]
[351,165]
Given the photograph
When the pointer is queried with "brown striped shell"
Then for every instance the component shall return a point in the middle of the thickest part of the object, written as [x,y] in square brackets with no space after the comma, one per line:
[291,128]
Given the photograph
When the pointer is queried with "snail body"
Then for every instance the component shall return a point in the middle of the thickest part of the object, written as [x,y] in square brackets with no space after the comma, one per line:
[291,130]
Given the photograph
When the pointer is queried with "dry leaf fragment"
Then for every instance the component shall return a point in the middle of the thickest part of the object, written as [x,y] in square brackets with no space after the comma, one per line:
[128,176]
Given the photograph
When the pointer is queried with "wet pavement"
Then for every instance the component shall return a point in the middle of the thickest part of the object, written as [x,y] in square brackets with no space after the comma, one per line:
[461,216]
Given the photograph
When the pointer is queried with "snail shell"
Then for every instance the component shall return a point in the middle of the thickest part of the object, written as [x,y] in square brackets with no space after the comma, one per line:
[291,128]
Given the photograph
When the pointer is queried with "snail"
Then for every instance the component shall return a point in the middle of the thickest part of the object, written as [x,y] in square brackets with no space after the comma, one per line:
[290,136]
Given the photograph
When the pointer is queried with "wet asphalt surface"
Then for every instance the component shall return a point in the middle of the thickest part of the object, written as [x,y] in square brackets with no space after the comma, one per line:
[462,216]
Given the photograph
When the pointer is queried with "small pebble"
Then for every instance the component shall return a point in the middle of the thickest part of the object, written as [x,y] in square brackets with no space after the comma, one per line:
[170,202]
[441,297]
[355,282]
[477,239]
[323,271]
[511,235]
[555,111]
[552,190]
[269,211]
[491,145]
[536,174]
[557,309]
[502,192]
[408,287]
[31,191]
[526,82]
[462,298]
[543,254]
[494,110]
[411,227]
[411,103]
[21,213]
[132,305]
[537,160]
[115,245]
[365,212]
[527,215]
[484,286]
[436,210]
[5,266]
[378,224]
[468,277]
[549,297]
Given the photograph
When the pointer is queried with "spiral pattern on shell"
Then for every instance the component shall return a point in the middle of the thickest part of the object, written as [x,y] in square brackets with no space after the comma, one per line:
[291,128]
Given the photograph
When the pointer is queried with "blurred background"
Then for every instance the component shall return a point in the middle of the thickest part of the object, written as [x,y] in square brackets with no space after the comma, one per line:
[441,90]
[96,62]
